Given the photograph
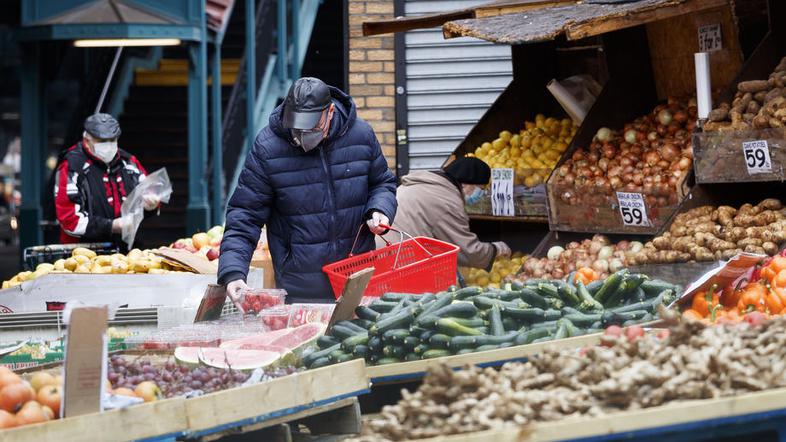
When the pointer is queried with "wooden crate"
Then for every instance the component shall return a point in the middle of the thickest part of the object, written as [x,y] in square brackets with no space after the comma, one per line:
[280,397]
[160,419]
[689,420]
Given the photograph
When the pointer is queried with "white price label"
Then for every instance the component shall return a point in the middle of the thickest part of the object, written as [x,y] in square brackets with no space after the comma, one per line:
[757,156]
[710,38]
[633,209]
[502,192]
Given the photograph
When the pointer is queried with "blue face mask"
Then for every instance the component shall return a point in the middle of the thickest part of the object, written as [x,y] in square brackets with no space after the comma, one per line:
[474,197]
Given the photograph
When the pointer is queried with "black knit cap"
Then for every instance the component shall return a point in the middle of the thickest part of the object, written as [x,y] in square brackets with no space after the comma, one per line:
[469,170]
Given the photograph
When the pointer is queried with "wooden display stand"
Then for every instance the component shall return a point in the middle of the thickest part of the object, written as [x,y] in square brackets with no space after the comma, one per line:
[264,261]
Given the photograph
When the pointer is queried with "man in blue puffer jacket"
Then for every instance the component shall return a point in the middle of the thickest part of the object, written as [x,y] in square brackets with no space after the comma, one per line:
[316,173]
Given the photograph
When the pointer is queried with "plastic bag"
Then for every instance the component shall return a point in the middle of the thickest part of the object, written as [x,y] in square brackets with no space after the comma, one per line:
[133,208]
[575,94]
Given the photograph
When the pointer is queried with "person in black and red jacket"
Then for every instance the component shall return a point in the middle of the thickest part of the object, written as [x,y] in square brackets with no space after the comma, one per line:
[92,181]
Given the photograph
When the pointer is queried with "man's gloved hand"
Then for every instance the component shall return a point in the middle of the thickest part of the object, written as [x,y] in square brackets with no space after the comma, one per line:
[235,291]
[502,249]
[151,201]
[376,219]
[118,224]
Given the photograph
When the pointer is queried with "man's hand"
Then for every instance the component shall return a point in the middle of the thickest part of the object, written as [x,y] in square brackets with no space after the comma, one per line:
[235,291]
[118,224]
[502,249]
[374,222]
[151,201]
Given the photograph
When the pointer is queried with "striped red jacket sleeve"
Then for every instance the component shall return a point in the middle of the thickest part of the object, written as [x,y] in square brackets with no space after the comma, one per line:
[72,212]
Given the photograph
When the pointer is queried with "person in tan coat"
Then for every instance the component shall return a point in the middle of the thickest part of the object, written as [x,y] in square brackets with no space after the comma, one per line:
[431,203]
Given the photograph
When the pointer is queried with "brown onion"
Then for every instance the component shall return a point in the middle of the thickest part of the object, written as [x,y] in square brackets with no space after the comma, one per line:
[651,157]
[684,163]
[669,152]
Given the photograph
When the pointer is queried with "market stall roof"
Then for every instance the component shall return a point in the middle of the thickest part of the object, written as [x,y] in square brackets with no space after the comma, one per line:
[401,24]
[575,21]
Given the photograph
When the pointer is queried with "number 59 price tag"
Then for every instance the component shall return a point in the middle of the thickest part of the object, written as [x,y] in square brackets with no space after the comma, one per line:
[757,156]
[632,209]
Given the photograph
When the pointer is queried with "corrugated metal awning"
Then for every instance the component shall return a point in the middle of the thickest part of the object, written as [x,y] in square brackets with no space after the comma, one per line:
[575,21]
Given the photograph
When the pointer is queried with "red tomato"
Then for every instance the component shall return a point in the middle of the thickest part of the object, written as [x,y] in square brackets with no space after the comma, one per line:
[634,332]
[613,330]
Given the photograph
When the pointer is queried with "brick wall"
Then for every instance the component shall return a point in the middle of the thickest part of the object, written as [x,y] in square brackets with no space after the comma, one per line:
[371,73]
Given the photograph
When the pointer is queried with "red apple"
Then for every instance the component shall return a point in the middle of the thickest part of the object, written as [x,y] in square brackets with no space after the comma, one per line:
[213,253]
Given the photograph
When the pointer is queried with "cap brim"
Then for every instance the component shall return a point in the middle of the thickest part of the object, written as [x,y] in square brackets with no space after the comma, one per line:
[302,120]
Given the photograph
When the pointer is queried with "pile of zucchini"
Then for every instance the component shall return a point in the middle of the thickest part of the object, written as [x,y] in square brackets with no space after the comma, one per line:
[404,327]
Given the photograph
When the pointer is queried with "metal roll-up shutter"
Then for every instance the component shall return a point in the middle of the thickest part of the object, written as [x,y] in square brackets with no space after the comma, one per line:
[449,84]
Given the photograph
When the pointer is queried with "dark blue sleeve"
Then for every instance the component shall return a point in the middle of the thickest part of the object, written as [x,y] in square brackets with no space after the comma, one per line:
[381,182]
[247,211]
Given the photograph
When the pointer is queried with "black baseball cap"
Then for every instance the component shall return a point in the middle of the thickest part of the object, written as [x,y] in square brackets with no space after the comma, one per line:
[306,100]
[102,126]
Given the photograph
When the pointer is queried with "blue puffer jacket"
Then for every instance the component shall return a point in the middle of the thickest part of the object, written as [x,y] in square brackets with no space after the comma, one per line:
[312,203]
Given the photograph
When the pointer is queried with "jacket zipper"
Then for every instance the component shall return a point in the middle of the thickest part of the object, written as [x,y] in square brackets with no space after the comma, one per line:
[331,202]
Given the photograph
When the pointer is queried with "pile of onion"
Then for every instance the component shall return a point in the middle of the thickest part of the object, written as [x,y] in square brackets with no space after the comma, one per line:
[650,155]
[597,253]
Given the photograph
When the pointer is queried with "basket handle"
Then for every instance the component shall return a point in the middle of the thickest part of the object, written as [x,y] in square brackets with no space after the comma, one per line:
[400,242]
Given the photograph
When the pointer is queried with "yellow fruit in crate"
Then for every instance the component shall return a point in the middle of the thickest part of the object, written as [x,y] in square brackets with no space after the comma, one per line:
[497,145]
[82,259]
[60,265]
[44,267]
[99,269]
[505,136]
[103,260]
[142,266]
[71,264]
[515,140]
[81,268]
[81,251]
[119,267]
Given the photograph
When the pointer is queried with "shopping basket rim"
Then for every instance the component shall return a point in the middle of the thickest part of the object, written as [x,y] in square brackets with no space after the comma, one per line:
[328,268]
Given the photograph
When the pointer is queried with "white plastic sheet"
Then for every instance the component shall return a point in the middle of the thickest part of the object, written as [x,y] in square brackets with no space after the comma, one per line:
[133,208]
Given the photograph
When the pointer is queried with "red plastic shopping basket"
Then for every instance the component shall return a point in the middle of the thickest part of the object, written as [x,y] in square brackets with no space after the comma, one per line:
[416,265]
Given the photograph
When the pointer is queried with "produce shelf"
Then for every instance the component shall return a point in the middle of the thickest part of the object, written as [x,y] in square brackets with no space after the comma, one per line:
[692,420]
[249,408]
[415,370]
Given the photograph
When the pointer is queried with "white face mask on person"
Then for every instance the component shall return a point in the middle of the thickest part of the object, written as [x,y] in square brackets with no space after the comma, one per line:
[311,138]
[105,151]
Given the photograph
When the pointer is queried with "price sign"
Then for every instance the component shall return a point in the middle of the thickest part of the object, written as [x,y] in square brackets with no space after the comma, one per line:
[757,156]
[632,209]
[710,38]
[502,192]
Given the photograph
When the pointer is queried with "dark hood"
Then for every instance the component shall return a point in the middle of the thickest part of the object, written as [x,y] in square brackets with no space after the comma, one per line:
[343,117]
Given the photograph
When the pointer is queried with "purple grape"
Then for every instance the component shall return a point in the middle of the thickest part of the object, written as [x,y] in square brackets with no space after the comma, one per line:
[166,377]
[113,377]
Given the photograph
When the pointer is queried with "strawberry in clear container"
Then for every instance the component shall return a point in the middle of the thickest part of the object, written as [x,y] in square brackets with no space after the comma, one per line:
[256,300]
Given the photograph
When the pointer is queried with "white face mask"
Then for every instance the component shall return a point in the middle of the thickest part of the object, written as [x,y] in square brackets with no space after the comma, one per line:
[105,151]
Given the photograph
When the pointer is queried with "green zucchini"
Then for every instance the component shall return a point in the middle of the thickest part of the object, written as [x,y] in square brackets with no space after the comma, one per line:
[583,319]
[510,323]
[321,362]
[467,292]
[435,353]
[352,326]
[544,324]
[543,339]
[360,351]
[420,348]
[485,302]
[387,361]
[364,323]
[439,341]
[457,309]
[416,330]
[614,318]
[393,351]
[441,301]
[562,330]
[596,325]
[426,320]
[587,301]
[345,357]
[424,337]
[548,290]
[523,338]
[610,285]
[638,295]
[567,293]
[594,286]
[469,322]
[461,342]
[412,357]
[411,342]
[551,314]
[496,340]
[375,344]
[335,354]
[382,306]
[452,328]
[495,320]
[425,299]
[314,355]
[372,358]
[349,344]
[633,281]
[465,351]
[509,295]
[395,336]
[653,287]
[569,311]
[487,347]
[341,332]
[394,297]
[532,298]
[525,314]
[555,303]
[364,312]
[401,319]
[325,341]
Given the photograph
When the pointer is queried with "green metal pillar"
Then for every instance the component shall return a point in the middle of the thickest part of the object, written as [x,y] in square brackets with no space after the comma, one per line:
[281,22]
[198,210]
[33,142]
[218,155]
[251,76]
[294,61]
